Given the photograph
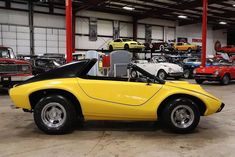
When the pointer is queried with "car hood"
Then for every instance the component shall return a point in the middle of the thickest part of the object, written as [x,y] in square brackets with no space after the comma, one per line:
[190,87]
[170,65]
[12,61]
[210,70]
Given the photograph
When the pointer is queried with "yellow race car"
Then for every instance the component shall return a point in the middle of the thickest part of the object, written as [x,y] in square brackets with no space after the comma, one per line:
[67,95]
[124,44]
[181,46]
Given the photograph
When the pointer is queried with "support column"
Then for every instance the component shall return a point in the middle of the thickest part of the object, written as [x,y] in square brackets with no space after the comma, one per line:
[69,30]
[204,32]
[31,27]
[135,28]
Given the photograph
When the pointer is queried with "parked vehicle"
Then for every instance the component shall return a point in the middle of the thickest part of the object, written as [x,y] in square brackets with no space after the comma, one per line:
[41,65]
[12,70]
[180,46]
[59,58]
[159,46]
[221,70]
[61,98]
[159,67]
[124,44]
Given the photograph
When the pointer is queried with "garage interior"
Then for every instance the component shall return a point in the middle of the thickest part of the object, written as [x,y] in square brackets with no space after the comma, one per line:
[37,27]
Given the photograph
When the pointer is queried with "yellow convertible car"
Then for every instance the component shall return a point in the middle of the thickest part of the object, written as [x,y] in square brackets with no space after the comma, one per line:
[65,96]
[124,44]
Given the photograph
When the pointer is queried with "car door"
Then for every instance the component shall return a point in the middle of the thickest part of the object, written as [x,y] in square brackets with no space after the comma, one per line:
[118,43]
[119,92]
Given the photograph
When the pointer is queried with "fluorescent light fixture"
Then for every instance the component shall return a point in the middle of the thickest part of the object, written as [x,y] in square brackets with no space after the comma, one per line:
[182,17]
[222,23]
[128,8]
[233,5]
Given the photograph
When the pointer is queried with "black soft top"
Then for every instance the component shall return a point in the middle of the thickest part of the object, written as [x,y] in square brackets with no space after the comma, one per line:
[70,70]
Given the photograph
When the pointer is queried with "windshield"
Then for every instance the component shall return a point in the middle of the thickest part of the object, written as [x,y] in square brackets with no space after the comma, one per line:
[5,53]
[159,59]
[125,40]
[221,62]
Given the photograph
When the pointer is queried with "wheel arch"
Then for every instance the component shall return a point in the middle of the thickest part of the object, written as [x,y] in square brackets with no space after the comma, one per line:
[36,96]
[200,104]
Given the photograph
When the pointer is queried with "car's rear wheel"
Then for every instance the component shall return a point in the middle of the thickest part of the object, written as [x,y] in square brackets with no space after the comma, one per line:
[162,75]
[199,81]
[134,74]
[225,80]
[126,47]
[187,73]
[55,114]
[181,115]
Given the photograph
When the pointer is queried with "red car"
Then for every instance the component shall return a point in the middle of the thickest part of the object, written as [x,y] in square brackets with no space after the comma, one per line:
[221,71]
[12,70]
[227,49]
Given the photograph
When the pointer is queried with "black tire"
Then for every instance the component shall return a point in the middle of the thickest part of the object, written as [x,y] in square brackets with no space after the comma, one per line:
[177,121]
[187,74]
[199,81]
[110,48]
[162,74]
[126,47]
[68,114]
[225,80]
[134,74]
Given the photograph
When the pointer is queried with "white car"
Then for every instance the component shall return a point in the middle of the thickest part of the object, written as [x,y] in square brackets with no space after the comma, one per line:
[158,66]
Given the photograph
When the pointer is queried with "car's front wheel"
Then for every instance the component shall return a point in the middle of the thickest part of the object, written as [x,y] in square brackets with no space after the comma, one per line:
[181,115]
[225,80]
[55,114]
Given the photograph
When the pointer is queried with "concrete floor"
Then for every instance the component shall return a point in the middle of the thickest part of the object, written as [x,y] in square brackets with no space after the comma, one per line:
[214,137]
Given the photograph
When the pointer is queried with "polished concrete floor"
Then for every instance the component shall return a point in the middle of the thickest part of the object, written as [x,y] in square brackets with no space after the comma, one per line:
[214,137]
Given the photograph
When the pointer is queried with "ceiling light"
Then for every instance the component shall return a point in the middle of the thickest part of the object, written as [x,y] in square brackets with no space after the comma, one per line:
[128,8]
[222,23]
[182,17]
[233,5]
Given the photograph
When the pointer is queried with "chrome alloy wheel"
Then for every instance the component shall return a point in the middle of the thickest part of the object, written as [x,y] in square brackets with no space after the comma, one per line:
[162,75]
[53,115]
[182,116]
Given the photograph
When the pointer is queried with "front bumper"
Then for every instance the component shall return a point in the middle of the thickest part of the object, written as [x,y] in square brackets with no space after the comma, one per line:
[207,77]
[221,108]
[136,46]
[178,74]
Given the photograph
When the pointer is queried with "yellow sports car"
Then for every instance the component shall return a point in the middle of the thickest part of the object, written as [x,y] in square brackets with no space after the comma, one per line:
[124,44]
[181,46]
[68,95]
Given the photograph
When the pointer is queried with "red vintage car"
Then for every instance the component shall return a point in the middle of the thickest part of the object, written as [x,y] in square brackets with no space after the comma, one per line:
[12,70]
[222,71]
[227,49]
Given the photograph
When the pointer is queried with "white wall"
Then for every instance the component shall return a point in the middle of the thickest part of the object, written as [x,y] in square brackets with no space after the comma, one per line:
[195,32]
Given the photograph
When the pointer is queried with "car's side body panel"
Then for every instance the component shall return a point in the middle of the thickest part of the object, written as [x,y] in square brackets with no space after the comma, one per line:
[133,106]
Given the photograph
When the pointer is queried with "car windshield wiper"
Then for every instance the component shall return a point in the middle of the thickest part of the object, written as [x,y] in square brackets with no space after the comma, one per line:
[145,73]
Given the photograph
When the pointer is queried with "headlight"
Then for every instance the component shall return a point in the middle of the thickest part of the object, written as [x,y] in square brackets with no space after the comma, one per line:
[216,72]
[25,68]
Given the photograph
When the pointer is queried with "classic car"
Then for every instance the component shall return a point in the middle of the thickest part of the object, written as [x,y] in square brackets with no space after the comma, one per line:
[63,97]
[41,65]
[59,58]
[221,70]
[124,44]
[159,46]
[158,66]
[12,70]
[180,46]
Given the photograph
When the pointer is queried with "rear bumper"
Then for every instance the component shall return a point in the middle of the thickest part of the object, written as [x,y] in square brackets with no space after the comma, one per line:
[221,108]
[178,74]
